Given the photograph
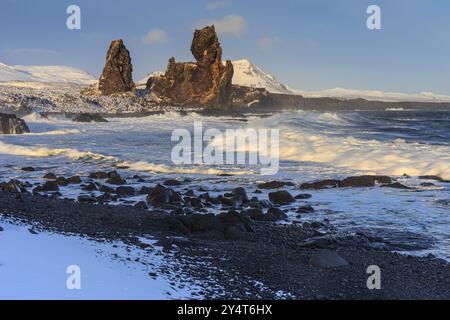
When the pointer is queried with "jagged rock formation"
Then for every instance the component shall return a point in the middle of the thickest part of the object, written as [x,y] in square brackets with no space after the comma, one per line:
[117,76]
[205,83]
[10,124]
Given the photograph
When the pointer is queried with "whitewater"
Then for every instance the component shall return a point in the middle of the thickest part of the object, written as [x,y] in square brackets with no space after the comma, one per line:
[313,146]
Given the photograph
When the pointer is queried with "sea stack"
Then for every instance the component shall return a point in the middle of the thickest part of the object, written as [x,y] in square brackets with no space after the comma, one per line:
[117,76]
[204,83]
[10,124]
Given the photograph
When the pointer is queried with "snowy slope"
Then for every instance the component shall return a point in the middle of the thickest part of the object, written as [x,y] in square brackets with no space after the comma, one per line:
[57,74]
[248,75]
[33,266]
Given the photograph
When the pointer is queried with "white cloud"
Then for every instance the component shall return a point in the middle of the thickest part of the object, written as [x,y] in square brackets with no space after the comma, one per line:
[218,5]
[234,25]
[156,36]
[268,42]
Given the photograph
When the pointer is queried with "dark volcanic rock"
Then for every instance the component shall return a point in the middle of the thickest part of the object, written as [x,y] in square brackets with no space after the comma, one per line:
[74,180]
[28,169]
[99,175]
[117,76]
[275,214]
[48,186]
[364,181]
[323,184]
[303,196]
[275,185]
[13,186]
[306,209]
[281,197]
[205,83]
[126,191]
[172,183]
[50,176]
[116,179]
[10,124]
[161,195]
[89,117]
[435,178]
[396,185]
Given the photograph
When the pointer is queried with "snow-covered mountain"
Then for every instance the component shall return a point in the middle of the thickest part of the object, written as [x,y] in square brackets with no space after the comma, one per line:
[248,75]
[48,74]
[375,95]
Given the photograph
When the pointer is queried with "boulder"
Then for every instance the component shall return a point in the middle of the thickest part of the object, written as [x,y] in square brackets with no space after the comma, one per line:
[161,195]
[126,191]
[204,83]
[281,197]
[323,184]
[115,179]
[50,176]
[89,117]
[306,209]
[275,214]
[101,175]
[10,124]
[364,181]
[275,185]
[117,76]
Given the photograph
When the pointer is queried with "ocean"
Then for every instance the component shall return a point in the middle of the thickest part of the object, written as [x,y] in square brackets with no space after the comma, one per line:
[404,144]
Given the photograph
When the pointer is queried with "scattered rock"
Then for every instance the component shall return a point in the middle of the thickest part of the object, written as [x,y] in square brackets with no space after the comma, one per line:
[99,175]
[74,180]
[396,185]
[275,185]
[50,176]
[306,209]
[275,214]
[106,189]
[161,195]
[28,169]
[364,181]
[328,259]
[47,186]
[142,205]
[323,184]
[115,179]
[90,187]
[172,183]
[117,76]
[126,191]
[435,178]
[281,197]
[88,117]
[303,196]
[10,124]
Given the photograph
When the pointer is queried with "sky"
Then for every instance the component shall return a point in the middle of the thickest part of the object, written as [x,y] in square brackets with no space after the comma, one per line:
[307,44]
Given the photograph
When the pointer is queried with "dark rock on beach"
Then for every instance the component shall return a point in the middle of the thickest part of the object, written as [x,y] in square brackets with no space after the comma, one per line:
[275,185]
[10,124]
[323,184]
[115,179]
[364,181]
[281,197]
[88,117]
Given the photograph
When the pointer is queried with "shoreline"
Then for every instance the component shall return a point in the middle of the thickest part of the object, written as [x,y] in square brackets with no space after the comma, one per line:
[245,258]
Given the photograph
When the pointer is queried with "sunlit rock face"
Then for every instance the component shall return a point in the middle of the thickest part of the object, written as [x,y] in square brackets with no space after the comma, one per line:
[117,76]
[204,83]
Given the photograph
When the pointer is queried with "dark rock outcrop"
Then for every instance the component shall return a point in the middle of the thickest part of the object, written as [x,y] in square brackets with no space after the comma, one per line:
[10,124]
[204,83]
[281,197]
[117,76]
[88,117]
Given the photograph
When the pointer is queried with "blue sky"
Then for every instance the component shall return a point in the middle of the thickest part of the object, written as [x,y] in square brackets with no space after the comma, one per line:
[308,44]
